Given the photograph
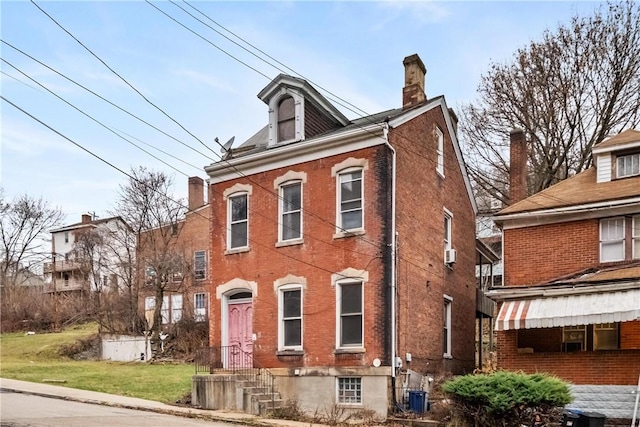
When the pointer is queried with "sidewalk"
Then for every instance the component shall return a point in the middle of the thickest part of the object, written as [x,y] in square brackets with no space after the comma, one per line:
[97,398]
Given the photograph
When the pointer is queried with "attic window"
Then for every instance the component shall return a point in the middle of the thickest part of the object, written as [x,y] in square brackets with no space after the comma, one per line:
[628,165]
[286,119]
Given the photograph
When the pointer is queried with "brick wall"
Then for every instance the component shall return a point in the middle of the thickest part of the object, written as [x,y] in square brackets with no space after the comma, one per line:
[316,259]
[529,258]
[613,367]
[423,278]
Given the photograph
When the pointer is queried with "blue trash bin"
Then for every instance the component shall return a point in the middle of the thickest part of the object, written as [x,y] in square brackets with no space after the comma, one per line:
[417,400]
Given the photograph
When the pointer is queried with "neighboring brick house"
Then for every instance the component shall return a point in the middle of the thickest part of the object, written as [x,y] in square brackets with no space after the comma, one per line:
[71,270]
[571,296]
[339,246]
[186,293]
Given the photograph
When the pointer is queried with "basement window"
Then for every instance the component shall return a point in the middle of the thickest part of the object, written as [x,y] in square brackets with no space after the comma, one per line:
[349,390]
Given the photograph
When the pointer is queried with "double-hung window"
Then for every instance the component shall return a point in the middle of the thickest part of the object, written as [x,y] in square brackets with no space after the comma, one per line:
[350,204]
[200,307]
[290,331]
[439,152]
[605,336]
[238,207]
[446,333]
[291,211]
[350,311]
[612,232]
[200,265]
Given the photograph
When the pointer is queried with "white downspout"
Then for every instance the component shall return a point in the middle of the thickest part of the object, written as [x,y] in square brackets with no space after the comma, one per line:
[393,253]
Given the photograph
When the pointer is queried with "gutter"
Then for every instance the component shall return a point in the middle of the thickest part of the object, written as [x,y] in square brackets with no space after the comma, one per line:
[393,246]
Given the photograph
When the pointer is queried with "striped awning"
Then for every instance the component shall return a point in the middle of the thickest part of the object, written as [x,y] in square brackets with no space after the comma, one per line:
[569,310]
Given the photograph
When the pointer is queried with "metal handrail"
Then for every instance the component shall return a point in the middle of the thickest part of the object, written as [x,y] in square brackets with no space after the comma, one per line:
[233,359]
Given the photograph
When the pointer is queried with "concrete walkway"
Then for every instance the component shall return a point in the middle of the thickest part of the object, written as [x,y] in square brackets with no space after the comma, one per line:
[94,397]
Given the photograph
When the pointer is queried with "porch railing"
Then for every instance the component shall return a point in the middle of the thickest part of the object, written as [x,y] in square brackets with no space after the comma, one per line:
[232,359]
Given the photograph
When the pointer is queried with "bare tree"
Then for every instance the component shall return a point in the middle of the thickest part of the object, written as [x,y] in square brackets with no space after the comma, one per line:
[24,223]
[108,254]
[568,91]
[148,206]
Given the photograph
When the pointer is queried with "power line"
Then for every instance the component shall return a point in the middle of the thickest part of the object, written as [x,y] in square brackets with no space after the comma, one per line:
[99,122]
[259,213]
[103,99]
[119,76]
[131,177]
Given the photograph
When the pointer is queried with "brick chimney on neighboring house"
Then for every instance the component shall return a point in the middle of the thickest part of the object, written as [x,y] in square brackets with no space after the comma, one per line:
[517,166]
[413,90]
[196,192]
[86,218]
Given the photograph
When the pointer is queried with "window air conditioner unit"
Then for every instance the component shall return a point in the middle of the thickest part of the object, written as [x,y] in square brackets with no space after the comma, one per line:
[450,256]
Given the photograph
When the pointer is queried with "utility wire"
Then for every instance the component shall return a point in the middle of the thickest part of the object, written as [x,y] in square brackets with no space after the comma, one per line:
[120,77]
[132,178]
[104,99]
[259,213]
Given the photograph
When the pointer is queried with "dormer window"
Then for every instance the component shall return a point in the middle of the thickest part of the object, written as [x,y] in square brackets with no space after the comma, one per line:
[286,119]
[628,165]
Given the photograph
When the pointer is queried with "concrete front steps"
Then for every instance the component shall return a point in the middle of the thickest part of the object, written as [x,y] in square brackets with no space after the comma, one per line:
[228,391]
[258,400]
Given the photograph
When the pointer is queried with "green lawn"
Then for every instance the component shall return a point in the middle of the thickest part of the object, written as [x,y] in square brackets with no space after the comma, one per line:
[35,358]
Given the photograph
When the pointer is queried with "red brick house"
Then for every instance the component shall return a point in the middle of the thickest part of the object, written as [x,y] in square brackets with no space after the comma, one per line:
[571,295]
[342,245]
[186,291]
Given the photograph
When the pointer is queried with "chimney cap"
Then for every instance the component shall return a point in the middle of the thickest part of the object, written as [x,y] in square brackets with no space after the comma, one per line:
[516,131]
[414,59]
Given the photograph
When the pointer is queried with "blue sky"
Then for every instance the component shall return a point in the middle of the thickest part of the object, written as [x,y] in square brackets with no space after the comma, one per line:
[353,49]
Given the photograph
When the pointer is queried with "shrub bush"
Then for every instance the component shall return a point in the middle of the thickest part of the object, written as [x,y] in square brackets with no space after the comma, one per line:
[507,399]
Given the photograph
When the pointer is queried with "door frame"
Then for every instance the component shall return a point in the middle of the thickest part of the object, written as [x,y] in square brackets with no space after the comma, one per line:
[224,322]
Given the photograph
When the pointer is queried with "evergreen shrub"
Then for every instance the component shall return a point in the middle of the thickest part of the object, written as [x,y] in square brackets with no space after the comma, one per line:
[507,399]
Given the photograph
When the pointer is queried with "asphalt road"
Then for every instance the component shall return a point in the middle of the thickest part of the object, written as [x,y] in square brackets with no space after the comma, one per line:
[25,410]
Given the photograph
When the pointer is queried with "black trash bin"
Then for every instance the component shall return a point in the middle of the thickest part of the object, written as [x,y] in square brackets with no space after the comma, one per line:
[570,419]
[417,400]
[591,419]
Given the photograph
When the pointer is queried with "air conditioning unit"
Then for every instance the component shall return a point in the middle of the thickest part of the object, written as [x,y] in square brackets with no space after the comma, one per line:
[450,256]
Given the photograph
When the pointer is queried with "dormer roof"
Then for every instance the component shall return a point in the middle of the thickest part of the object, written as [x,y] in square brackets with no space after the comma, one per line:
[630,138]
[283,82]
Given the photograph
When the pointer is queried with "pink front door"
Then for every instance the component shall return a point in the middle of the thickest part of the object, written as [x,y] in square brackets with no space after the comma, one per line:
[240,335]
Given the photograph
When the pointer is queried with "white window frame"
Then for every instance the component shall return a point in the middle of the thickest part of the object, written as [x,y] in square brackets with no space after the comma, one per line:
[612,328]
[439,151]
[346,385]
[448,227]
[199,274]
[446,327]
[149,303]
[176,307]
[339,314]
[612,241]
[200,313]
[635,237]
[574,334]
[629,161]
[282,319]
[339,212]
[231,223]
[282,212]
[165,311]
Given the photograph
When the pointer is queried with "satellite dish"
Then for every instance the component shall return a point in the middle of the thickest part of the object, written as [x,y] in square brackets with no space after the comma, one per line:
[226,148]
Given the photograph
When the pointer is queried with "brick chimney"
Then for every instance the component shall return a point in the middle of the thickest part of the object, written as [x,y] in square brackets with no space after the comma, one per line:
[86,218]
[196,192]
[413,91]
[517,166]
